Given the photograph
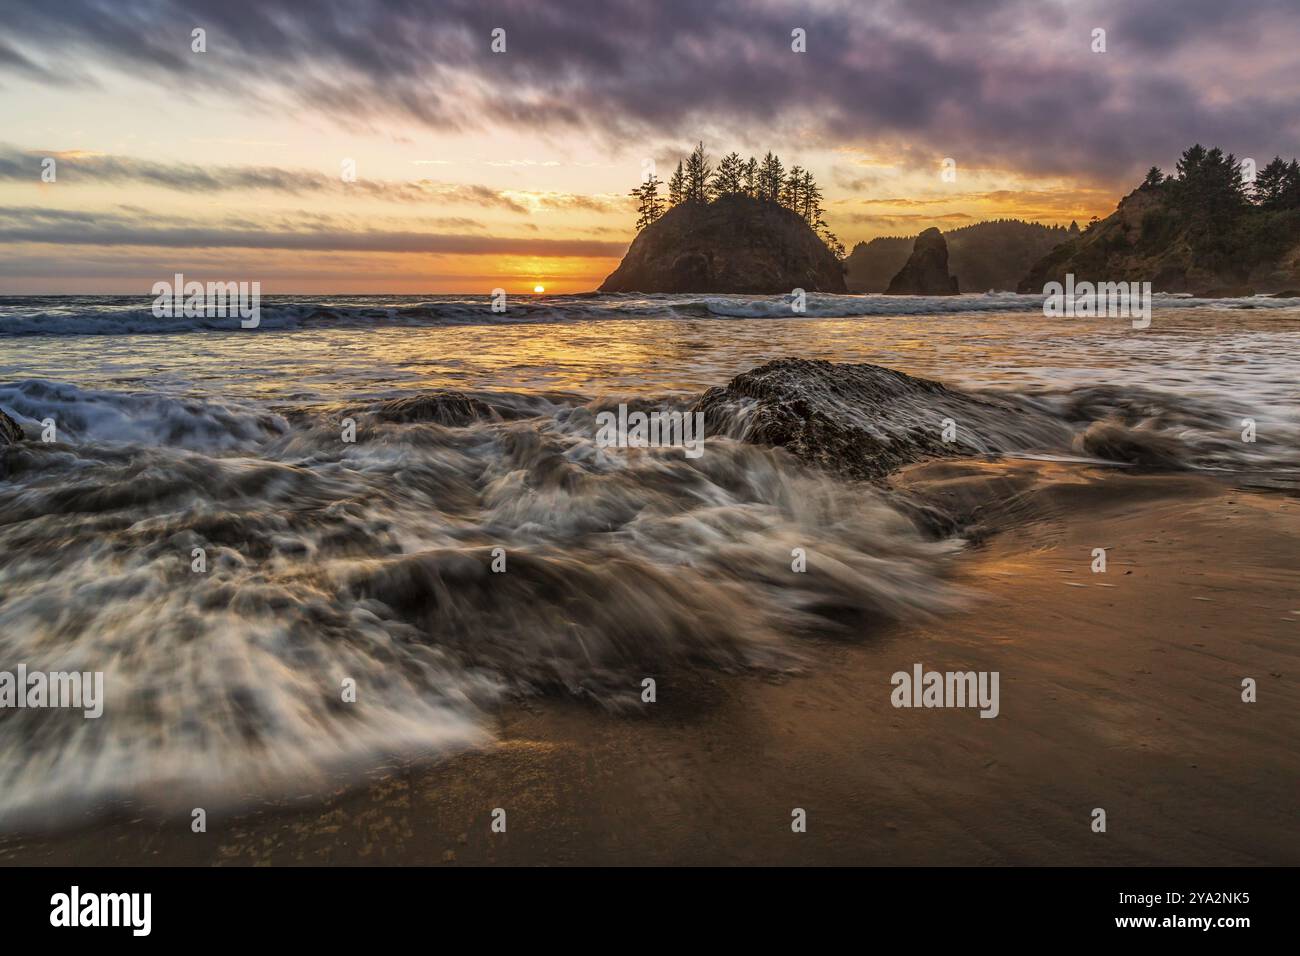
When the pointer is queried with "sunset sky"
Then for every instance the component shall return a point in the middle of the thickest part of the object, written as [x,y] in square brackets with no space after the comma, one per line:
[477,169]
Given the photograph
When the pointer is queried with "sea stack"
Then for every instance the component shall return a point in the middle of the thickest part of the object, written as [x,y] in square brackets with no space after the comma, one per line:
[735,244]
[926,270]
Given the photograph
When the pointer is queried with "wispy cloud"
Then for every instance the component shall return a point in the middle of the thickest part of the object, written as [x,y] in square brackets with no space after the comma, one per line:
[1008,80]
[65,227]
[908,219]
[86,168]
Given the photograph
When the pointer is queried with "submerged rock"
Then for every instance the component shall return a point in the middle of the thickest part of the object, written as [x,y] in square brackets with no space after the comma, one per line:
[1143,447]
[735,244]
[864,421]
[926,270]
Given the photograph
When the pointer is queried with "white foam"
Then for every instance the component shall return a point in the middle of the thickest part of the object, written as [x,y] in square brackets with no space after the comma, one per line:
[97,415]
[125,315]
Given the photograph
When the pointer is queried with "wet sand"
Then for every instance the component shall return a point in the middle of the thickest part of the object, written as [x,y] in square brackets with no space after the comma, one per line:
[1119,690]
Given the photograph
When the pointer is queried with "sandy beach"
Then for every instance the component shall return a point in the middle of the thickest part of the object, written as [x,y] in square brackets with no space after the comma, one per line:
[1119,691]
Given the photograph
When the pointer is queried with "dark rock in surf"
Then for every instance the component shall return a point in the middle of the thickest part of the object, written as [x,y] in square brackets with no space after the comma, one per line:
[864,421]
[926,270]
[735,244]
[1136,446]
[10,434]
[453,409]
[10,431]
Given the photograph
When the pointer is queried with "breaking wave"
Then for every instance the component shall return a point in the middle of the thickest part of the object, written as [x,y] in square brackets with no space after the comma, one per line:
[327,561]
[132,315]
[465,548]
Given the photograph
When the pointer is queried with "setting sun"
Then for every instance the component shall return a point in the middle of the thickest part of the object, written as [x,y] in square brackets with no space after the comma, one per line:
[539,289]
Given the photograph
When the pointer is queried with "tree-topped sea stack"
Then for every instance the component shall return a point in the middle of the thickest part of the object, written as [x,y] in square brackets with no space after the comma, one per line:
[735,244]
[748,228]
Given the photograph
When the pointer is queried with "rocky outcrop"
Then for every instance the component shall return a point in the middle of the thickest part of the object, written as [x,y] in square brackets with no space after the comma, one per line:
[985,256]
[926,270]
[864,421]
[1150,238]
[735,244]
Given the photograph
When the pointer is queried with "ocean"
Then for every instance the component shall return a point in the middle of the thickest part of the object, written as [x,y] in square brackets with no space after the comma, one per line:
[274,605]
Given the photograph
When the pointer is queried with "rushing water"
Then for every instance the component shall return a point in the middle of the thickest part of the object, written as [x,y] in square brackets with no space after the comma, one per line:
[371,561]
